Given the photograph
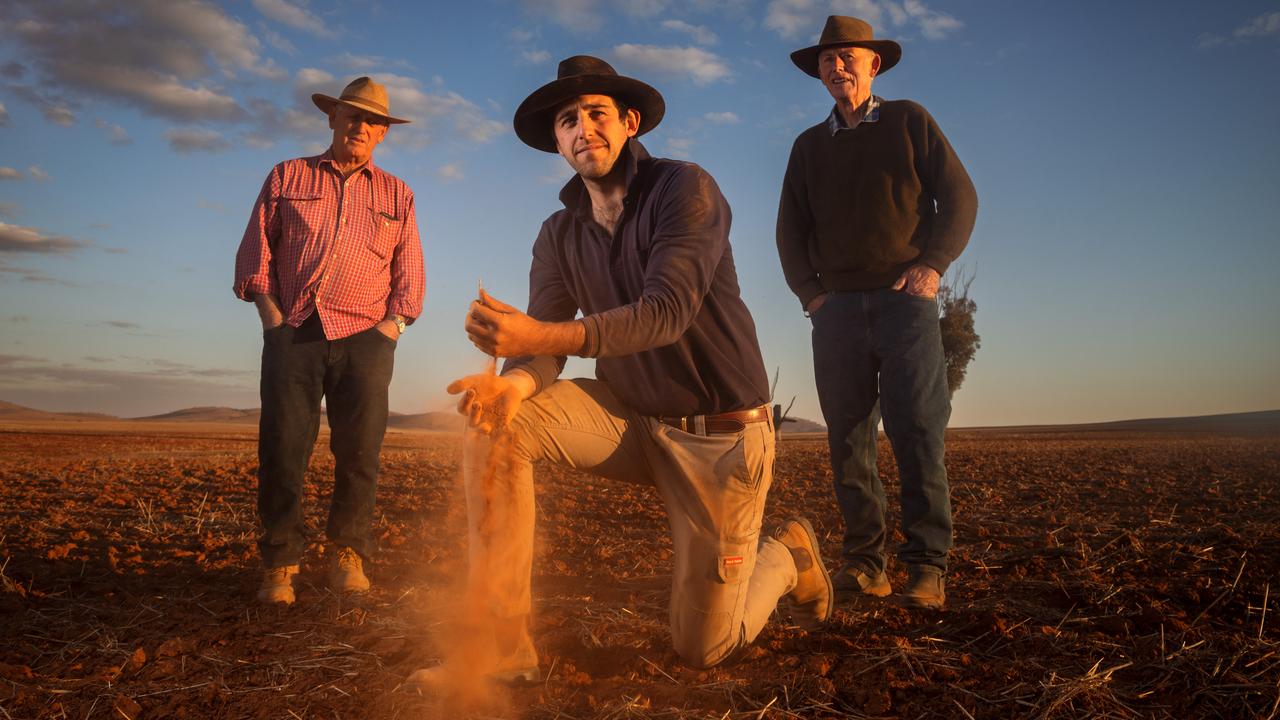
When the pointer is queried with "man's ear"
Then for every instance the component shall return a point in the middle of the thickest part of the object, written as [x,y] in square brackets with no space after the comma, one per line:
[633,122]
[875,64]
[333,112]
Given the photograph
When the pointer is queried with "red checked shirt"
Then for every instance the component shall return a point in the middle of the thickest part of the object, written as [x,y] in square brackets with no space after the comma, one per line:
[347,249]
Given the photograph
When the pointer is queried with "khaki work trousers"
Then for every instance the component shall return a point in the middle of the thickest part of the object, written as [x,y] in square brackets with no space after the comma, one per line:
[727,580]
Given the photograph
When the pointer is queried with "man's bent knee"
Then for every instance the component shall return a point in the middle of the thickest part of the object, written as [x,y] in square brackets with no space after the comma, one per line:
[707,645]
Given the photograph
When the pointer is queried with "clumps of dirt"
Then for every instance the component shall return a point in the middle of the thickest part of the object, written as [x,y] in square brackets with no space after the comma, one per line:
[1094,575]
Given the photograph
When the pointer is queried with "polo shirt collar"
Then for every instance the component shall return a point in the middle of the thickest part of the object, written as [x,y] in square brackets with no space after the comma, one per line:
[870,112]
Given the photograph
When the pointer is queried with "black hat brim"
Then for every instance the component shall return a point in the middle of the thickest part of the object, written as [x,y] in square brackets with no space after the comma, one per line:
[533,118]
[889,51]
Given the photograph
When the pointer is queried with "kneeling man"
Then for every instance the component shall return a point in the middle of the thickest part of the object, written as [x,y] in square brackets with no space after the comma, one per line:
[642,249]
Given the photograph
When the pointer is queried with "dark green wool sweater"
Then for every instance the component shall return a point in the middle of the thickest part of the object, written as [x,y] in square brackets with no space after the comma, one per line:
[860,207]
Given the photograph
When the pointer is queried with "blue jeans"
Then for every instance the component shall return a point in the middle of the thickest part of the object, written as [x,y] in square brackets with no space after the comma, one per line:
[299,366]
[880,352]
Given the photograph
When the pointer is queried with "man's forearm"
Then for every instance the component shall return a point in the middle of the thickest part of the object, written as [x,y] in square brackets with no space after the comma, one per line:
[268,309]
[560,338]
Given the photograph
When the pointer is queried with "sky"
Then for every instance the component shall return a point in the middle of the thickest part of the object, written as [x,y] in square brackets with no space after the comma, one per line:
[1125,157]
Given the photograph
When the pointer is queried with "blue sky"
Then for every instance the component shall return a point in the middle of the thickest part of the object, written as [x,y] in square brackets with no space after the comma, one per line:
[1125,157]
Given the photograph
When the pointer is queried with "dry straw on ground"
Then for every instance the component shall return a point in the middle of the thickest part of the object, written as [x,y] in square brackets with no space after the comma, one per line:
[1095,575]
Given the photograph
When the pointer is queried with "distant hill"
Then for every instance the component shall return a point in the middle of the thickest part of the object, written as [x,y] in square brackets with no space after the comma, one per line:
[800,425]
[420,421]
[443,421]
[10,412]
[207,414]
[1264,422]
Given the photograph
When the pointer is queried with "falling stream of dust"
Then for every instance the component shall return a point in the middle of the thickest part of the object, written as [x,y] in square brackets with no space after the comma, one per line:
[462,684]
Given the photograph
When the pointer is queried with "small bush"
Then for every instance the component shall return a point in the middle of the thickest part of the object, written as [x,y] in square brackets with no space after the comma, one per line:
[960,342]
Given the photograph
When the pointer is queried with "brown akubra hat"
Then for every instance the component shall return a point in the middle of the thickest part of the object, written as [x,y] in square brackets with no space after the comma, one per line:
[362,93]
[583,75]
[843,30]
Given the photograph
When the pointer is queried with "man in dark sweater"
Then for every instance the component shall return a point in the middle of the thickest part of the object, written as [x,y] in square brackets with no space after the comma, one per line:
[875,206]
[641,248]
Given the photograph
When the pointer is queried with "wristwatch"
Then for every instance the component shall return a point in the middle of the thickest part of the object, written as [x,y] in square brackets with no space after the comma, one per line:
[399,321]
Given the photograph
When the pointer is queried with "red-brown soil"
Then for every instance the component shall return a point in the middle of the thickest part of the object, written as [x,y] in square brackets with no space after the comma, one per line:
[1098,575]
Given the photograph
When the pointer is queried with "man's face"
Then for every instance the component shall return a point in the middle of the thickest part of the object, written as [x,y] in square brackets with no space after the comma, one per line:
[355,133]
[846,72]
[590,133]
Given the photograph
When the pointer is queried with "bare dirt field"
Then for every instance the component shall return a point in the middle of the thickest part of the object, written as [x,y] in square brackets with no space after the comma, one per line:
[1095,575]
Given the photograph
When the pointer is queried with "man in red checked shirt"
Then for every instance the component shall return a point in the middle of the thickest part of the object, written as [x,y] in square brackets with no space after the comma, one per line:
[332,259]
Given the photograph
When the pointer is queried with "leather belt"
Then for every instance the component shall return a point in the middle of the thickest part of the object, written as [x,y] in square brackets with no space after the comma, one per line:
[720,423]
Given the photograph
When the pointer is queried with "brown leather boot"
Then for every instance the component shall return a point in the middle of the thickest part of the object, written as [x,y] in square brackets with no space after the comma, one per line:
[849,580]
[813,597]
[925,588]
[347,574]
[277,585]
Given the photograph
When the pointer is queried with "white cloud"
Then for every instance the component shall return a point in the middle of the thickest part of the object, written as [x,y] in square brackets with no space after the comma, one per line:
[699,65]
[644,8]
[802,20]
[189,140]
[535,57]
[4,116]
[1261,26]
[575,15]
[37,173]
[679,147]
[166,57]
[450,172]
[278,41]
[793,19]
[116,135]
[722,118]
[520,35]
[439,112]
[374,64]
[17,239]
[1265,25]
[8,173]
[293,15]
[934,25]
[700,34]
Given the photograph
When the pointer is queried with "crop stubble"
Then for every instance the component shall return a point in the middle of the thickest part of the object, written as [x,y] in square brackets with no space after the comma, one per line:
[1098,575]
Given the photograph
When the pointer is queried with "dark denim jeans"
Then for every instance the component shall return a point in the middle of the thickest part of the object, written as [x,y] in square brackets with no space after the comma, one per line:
[299,366]
[880,351]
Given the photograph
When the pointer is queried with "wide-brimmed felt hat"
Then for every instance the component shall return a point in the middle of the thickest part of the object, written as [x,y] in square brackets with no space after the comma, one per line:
[583,75]
[844,30]
[361,93]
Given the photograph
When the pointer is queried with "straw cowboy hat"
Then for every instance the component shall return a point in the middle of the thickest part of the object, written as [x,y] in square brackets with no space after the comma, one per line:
[842,30]
[362,93]
[583,75]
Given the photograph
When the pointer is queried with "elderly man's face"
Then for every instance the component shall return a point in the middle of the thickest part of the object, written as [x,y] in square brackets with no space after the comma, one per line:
[590,133]
[355,133]
[846,72]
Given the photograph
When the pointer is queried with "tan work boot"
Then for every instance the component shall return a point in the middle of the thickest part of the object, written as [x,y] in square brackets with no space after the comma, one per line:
[925,588]
[813,596]
[348,572]
[849,580]
[277,585]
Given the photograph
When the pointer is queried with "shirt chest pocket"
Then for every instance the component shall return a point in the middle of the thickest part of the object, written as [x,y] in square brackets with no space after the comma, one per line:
[384,232]
[302,215]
